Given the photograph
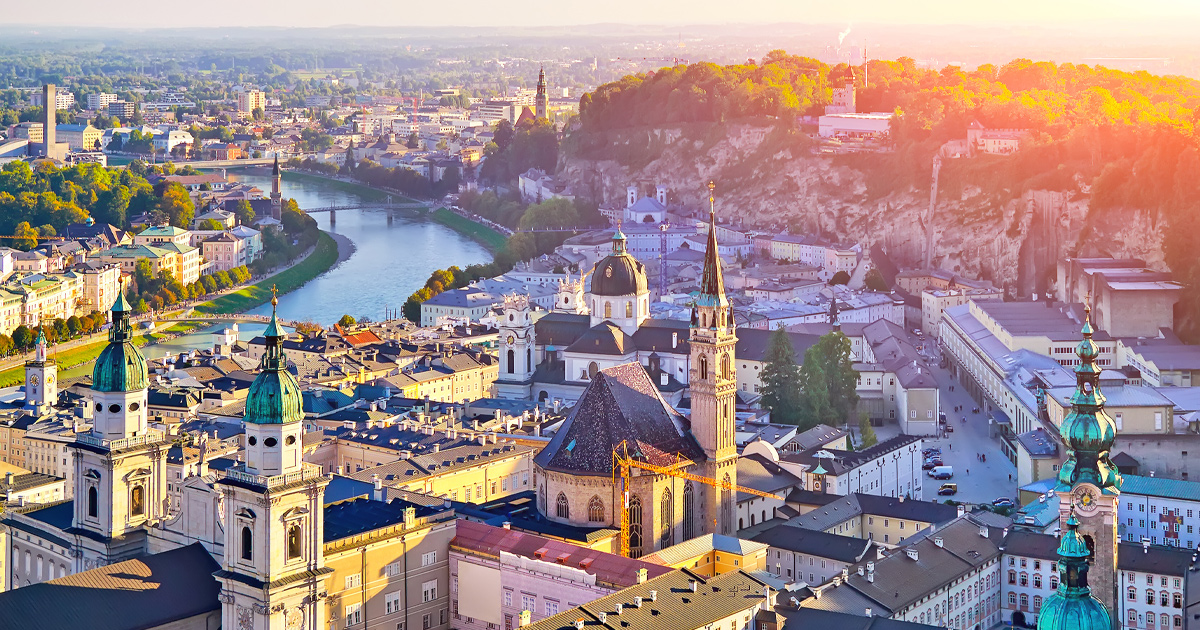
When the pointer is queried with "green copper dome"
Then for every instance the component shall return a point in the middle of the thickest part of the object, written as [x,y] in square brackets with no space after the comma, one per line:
[120,366]
[274,396]
[1087,431]
[1072,606]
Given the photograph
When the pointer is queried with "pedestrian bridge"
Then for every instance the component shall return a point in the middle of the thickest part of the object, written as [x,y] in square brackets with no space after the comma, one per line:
[242,317]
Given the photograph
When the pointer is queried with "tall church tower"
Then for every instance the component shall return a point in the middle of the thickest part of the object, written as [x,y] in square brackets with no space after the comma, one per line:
[276,191]
[517,361]
[542,100]
[41,379]
[121,465]
[713,380]
[1089,485]
[273,574]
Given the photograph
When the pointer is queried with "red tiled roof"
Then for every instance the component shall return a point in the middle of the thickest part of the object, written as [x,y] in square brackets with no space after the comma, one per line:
[609,569]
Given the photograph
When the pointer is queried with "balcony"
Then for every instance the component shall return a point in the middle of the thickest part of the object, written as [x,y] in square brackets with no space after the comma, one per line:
[150,436]
[307,471]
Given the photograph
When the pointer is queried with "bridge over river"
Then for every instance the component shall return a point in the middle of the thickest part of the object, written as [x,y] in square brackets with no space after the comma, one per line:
[215,319]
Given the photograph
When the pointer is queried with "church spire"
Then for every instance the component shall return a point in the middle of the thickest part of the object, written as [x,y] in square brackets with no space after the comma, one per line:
[1073,605]
[712,284]
[1087,431]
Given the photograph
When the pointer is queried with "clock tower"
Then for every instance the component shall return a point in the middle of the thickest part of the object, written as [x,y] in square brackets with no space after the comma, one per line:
[1088,482]
[41,379]
[516,342]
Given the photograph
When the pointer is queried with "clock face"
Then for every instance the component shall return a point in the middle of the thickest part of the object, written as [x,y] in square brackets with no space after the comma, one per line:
[33,380]
[1085,498]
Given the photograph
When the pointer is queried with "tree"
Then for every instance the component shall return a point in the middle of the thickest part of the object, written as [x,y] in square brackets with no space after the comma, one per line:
[780,379]
[346,321]
[244,212]
[22,337]
[866,433]
[210,224]
[874,281]
[175,202]
[308,328]
[840,277]
[829,380]
[26,237]
[412,142]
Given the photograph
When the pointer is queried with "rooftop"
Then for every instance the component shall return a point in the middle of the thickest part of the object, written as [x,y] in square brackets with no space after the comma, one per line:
[797,539]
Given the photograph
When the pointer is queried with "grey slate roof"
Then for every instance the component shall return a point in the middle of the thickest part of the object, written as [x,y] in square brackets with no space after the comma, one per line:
[147,592]
[815,618]
[620,405]
[799,540]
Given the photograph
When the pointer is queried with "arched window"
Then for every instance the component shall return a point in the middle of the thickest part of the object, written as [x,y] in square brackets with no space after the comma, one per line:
[725,366]
[689,511]
[137,501]
[595,510]
[666,517]
[1037,580]
[726,507]
[635,527]
[1164,599]
[1165,619]
[608,310]
[512,362]
[1177,600]
[1037,603]
[247,544]
[528,358]
[703,367]
[293,541]
[562,509]
[629,309]
[1150,597]
[592,369]
[93,502]
[1024,600]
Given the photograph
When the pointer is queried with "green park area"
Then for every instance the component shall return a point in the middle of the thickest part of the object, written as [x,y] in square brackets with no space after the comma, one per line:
[485,235]
[321,259]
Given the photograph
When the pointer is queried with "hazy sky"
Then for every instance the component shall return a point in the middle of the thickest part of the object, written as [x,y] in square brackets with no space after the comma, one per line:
[315,13]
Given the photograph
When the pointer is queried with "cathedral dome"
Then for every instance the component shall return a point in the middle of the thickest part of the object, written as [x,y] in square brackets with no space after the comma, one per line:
[274,396]
[120,366]
[619,273]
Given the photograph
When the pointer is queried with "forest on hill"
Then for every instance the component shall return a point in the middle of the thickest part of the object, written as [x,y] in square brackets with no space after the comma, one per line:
[1130,137]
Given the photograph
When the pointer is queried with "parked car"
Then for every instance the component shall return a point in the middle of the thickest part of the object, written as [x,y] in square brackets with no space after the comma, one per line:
[948,489]
[931,463]
[949,428]
[942,472]
[1004,502]
[930,452]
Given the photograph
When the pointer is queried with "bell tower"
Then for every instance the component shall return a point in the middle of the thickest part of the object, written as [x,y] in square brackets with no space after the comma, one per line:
[276,191]
[41,379]
[1088,482]
[273,572]
[517,360]
[120,465]
[713,380]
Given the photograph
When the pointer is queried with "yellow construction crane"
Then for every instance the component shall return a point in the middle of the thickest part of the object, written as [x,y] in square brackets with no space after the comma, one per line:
[622,466]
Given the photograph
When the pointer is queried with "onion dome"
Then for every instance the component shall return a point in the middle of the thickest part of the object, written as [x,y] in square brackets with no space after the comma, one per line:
[120,366]
[619,273]
[1087,431]
[274,396]
[1072,606]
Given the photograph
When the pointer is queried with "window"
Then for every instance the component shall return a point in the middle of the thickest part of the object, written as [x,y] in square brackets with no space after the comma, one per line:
[1024,600]
[1131,594]
[429,558]
[353,581]
[528,602]
[1163,599]
[247,544]
[1177,600]
[1024,580]
[1150,597]
[1037,603]
[666,516]
[137,501]
[629,309]
[392,570]
[426,621]
[293,542]
[595,510]
[391,602]
[689,507]
[429,591]
[508,598]
[93,502]
[562,509]
[551,608]
[1037,580]
[353,614]
[608,310]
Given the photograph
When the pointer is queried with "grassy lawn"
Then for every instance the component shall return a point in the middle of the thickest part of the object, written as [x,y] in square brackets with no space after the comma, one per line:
[486,236]
[246,298]
[71,363]
[184,328]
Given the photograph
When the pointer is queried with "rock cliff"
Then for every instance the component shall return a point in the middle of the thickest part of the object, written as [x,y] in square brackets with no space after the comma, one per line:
[768,179]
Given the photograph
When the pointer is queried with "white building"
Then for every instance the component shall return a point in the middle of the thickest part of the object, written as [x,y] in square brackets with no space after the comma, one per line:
[100,101]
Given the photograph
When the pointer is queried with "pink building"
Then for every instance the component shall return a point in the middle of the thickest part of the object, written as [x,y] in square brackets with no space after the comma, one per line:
[499,572]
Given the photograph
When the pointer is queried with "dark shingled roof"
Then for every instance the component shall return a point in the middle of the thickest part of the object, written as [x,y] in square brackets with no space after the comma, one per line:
[363,515]
[561,329]
[621,404]
[1153,559]
[147,592]
[604,338]
[752,344]
[1031,544]
[816,618]
[814,543]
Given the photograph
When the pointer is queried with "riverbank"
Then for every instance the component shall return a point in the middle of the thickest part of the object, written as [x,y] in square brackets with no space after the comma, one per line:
[482,234]
[324,256]
[369,193]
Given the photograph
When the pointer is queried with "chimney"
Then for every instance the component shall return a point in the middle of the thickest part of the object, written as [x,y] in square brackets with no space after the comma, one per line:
[617,610]
[868,611]
[663,379]
[50,126]
[1145,545]
[1005,534]
[524,619]
[912,553]
[674,340]
[507,524]
[436,447]
[937,540]
[426,404]
[339,470]
[641,575]
[693,584]
[983,531]
[8,479]
[579,624]
[378,493]
[653,594]
[602,617]
[637,602]
[962,509]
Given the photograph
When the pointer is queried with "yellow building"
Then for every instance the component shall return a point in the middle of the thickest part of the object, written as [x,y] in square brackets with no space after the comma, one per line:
[885,520]
[713,554]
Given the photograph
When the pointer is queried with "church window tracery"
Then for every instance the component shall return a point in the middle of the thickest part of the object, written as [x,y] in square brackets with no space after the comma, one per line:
[689,511]
[595,510]
[635,527]
[562,508]
[666,516]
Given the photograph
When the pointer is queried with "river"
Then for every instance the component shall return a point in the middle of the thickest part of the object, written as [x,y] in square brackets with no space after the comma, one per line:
[389,262]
